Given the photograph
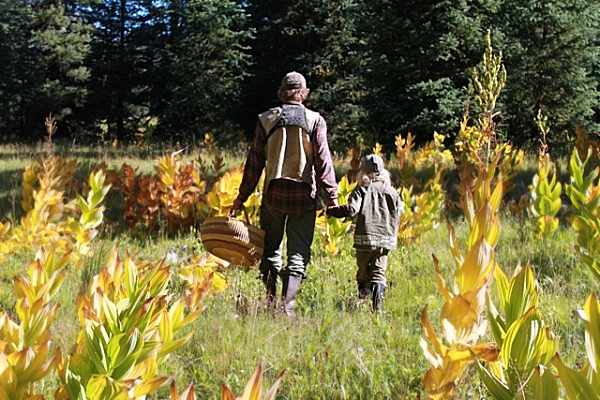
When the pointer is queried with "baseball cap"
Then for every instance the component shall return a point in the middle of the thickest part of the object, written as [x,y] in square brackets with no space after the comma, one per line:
[293,80]
[371,163]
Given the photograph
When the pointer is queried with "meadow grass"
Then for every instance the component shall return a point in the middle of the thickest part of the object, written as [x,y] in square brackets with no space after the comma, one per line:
[336,348]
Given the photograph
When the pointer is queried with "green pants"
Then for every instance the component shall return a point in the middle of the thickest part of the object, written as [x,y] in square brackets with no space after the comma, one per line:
[299,230]
[371,265]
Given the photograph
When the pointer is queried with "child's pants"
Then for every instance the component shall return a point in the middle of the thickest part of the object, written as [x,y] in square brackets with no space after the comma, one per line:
[371,265]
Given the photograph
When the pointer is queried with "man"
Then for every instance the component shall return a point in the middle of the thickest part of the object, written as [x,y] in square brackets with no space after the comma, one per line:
[290,144]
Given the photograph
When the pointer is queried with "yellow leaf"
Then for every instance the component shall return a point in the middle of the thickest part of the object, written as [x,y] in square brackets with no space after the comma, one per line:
[576,385]
[476,267]
[459,319]
[430,333]
[149,386]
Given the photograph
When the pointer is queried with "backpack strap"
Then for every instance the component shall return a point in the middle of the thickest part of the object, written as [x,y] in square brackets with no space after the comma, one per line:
[289,115]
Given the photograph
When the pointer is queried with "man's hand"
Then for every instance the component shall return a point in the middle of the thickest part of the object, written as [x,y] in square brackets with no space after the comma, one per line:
[331,203]
[236,207]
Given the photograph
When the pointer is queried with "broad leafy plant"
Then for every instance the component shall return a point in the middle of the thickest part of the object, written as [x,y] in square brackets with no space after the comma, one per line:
[462,317]
[130,324]
[585,382]
[545,190]
[332,230]
[584,193]
[527,346]
[25,343]
[253,389]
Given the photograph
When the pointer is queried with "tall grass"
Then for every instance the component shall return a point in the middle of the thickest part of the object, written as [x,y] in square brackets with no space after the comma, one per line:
[335,349]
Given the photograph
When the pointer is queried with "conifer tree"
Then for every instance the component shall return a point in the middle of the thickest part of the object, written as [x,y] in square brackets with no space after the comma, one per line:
[207,59]
[43,49]
[421,54]
[550,52]
[320,40]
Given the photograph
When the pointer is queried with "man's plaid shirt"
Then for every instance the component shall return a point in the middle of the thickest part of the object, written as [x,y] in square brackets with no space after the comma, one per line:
[287,196]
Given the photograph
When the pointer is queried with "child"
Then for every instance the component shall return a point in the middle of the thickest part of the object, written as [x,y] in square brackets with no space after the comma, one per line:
[376,206]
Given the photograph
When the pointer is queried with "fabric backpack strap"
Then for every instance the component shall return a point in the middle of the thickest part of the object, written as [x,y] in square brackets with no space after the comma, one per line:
[290,115]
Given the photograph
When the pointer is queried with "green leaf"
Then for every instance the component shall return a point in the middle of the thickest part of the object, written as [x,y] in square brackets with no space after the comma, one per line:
[497,389]
[101,387]
[542,385]
[575,384]
[522,294]
[528,344]
[123,351]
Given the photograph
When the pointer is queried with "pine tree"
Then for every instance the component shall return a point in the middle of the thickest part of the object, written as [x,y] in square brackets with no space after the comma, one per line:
[62,42]
[207,60]
[421,55]
[43,71]
[320,40]
[550,52]
[16,68]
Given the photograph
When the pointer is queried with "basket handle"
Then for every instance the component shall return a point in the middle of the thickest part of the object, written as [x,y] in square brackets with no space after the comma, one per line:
[231,214]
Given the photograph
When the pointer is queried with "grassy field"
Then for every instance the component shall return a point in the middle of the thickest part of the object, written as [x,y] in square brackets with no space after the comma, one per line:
[335,349]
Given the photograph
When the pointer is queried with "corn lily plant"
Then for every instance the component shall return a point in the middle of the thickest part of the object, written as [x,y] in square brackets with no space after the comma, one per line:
[545,199]
[223,193]
[585,383]
[51,221]
[462,316]
[545,191]
[180,190]
[527,346]
[188,394]
[422,212]
[584,193]
[130,324]
[330,229]
[25,356]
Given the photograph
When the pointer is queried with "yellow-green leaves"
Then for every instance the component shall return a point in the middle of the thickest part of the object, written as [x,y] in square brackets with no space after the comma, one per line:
[330,229]
[527,346]
[24,344]
[253,389]
[130,325]
[544,196]
[462,315]
[422,212]
[584,193]
[585,383]
[576,383]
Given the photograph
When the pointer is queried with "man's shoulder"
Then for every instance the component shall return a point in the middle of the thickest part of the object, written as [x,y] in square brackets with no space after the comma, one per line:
[270,116]
[271,111]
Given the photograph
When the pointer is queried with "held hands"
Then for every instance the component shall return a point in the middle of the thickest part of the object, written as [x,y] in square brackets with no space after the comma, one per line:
[336,211]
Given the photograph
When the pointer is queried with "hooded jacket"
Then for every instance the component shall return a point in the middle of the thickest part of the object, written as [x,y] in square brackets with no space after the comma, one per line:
[377,208]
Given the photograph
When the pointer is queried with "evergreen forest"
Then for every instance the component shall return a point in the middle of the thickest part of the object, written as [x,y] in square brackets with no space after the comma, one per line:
[173,70]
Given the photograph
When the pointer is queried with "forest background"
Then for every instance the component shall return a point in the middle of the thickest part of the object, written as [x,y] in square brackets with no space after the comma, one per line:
[157,71]
[168,73]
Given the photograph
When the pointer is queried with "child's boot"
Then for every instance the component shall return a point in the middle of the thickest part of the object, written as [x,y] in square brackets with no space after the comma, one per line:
[378,294]
[364,291]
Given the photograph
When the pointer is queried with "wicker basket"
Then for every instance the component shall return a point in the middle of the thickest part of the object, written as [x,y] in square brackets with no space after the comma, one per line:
[233,240]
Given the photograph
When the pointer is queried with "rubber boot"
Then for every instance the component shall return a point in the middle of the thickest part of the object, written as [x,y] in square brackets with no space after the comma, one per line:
[378,296]
[291,284]
[364,291]
[271,285]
